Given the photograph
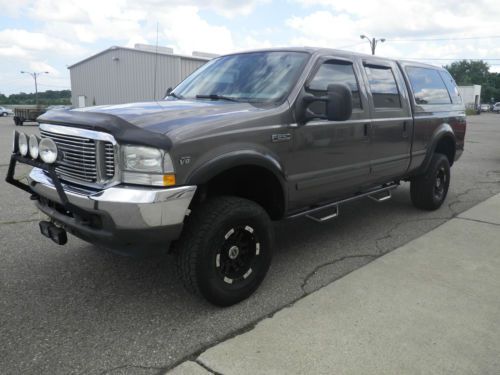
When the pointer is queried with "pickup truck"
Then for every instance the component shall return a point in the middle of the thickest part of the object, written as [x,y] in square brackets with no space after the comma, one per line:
[246,139]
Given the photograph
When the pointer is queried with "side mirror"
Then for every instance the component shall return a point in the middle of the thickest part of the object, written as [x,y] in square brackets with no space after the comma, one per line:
[339,102]
[169,90]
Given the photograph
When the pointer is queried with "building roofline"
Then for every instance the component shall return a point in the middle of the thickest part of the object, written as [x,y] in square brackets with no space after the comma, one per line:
[114,48]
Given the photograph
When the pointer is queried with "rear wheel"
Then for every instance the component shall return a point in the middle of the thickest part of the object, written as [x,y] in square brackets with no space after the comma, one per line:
[428,191]
[225,250]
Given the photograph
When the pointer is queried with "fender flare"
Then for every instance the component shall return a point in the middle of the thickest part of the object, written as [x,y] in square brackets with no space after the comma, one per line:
[211,168]
[441,132]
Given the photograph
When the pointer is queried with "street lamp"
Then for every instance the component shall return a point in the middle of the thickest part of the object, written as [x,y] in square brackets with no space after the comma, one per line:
[373,42]
[35,76]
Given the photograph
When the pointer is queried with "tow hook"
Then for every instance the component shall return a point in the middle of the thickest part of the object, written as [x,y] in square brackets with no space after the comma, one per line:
[56,234]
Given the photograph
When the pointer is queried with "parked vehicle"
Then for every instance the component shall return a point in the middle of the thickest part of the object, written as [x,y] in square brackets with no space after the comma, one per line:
[22,115]
[59,107]
[496,107]
[485,107]
[246,139]
[6,111]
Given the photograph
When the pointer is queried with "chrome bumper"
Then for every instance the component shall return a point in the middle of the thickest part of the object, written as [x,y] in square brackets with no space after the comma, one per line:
[128,207]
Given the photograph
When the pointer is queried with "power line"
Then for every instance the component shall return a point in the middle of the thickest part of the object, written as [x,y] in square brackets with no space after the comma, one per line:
[453,58]
[444,39]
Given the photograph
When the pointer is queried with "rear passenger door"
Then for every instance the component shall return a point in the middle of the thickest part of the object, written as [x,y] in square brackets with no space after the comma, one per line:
[392,123]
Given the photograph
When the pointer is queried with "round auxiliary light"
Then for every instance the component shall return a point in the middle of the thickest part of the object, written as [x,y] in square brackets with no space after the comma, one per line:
[33,146]
[48,150]
[23,144]
[15,141]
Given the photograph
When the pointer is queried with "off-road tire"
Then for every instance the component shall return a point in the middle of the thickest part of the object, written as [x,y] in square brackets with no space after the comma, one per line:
[203,253]
[428,191]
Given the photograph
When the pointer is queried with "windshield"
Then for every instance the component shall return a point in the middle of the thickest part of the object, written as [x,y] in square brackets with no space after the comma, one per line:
[247,77]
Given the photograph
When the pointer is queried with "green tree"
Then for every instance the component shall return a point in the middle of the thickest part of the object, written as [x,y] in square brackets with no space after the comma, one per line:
[49,97]
[469,72]
[476,72]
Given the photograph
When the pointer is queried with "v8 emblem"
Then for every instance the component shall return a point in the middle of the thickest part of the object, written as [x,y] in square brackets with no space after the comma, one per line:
[184,160]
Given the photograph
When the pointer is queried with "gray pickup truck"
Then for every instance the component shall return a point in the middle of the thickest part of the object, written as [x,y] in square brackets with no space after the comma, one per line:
[246,139]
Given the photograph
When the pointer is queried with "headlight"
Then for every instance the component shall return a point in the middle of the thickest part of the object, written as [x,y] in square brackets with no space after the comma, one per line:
[33,146]
[142,159]
[23,144]
[147,166]
[48,150]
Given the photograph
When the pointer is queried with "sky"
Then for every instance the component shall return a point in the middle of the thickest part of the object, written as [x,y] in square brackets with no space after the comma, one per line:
[49,35]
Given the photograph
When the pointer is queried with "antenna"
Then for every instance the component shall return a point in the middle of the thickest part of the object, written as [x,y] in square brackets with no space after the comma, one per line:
[156,63]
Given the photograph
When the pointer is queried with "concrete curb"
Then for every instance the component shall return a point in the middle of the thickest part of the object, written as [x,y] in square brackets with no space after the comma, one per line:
[430,306]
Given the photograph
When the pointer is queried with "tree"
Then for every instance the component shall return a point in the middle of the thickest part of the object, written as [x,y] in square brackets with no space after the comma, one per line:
[469,72]
[476,72]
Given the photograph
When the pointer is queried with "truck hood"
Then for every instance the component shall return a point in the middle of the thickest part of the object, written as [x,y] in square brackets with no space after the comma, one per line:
[159,123]
[167,115]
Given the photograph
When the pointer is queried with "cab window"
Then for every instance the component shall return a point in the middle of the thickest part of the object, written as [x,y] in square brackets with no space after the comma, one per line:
[334,72]
[428,86]
[383,87]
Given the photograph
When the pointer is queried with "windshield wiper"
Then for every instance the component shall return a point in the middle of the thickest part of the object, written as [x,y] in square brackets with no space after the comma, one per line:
[216,97]
[175,95]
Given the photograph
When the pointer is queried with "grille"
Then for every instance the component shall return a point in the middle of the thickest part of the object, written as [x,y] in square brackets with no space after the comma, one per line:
[82,156]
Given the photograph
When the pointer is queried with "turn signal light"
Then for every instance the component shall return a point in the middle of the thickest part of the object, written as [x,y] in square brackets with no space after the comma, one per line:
[168,179]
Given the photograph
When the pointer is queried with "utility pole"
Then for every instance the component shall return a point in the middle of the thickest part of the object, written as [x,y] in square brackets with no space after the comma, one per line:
[35,76]
[373,42]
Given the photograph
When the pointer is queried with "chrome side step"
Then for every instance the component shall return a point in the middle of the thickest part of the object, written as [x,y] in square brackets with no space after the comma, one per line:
[320,219]
[318,215]
[381,197]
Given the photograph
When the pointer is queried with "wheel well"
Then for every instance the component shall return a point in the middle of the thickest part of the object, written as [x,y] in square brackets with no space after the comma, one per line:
[255,183]
[446,146]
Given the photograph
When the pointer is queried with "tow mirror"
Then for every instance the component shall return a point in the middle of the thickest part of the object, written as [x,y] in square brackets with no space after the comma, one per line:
[338,104]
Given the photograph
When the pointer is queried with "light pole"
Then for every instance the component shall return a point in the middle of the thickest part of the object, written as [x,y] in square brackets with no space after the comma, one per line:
[373,42]
[35,76]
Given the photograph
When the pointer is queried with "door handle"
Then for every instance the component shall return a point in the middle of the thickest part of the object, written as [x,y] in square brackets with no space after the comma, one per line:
[405,129]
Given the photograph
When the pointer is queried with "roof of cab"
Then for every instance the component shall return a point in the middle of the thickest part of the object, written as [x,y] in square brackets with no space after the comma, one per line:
[344,53]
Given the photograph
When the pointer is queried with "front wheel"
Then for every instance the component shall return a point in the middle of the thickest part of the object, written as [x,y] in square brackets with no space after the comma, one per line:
[224,251]
[428,191]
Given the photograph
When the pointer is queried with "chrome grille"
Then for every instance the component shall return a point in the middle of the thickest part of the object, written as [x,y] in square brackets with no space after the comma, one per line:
[81,161]
[109,159]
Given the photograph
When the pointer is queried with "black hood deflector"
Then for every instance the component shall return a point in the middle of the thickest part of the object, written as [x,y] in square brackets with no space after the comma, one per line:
[123,131]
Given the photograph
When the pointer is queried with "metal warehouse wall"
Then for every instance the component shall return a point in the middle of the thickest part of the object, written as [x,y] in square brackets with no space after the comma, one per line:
[123,75]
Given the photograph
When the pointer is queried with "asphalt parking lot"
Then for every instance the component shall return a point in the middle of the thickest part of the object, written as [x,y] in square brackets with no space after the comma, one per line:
[79,309]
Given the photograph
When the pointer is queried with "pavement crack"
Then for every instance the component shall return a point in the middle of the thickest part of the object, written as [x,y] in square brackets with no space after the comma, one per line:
[388,233]
[330,263]
[18,221]
[478,221]
[129,366]
[200,362]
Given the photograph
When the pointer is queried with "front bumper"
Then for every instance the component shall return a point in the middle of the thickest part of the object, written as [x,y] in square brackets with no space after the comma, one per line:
[121,217]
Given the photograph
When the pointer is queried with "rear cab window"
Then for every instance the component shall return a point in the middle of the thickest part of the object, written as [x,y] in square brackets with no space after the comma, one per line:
[428,86]
[451,85]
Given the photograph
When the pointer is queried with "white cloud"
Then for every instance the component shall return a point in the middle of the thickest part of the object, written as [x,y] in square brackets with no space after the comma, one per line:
[27,41]
[338,24]
[188,32]
[40,66]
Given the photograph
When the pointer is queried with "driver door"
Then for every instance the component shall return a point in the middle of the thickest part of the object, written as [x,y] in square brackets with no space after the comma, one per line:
[331,159]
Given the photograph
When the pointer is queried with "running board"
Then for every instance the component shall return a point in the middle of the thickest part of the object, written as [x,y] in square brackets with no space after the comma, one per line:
[378,195]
